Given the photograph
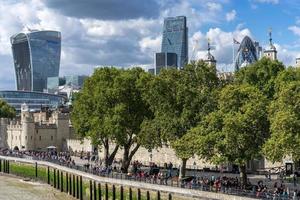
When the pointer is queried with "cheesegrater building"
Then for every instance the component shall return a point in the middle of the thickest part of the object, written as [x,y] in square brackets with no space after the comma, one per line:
[36,56]
[175,39]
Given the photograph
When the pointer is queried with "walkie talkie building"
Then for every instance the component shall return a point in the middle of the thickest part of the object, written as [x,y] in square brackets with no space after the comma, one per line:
[36,57]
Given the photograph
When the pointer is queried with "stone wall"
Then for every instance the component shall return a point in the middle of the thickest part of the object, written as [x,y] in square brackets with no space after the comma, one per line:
[78,145]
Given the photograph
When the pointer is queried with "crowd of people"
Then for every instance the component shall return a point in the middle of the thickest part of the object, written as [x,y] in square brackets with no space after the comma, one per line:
[153,173]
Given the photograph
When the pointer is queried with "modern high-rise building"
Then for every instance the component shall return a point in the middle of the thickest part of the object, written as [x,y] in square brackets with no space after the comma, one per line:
[165,60]
[175,39]
[247,53]
[36,57]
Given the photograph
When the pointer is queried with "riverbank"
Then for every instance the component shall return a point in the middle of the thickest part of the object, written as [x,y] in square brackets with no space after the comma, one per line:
[12,188]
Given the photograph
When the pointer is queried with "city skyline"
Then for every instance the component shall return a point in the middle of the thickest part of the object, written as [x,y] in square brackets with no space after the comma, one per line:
[99,32]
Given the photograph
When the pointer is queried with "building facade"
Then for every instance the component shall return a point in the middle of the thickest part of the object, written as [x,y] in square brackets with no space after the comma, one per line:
[39,130]
[34,100]
[246,54]
[36,56]
[175,39]
[165,60]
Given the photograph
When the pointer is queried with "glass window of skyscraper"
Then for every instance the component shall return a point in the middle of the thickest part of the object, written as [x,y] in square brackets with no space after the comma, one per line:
[36,57]
[175,39]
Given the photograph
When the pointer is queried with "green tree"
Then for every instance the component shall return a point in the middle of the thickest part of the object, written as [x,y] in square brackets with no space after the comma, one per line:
[179,100]
[235,132]
[284,116]
[6,111]
[110,109]
[286,76]
[262,74]
[93,108]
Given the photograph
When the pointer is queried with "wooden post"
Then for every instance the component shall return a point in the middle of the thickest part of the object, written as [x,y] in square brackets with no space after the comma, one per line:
[36,170]
[61,181]
[114,192]
[158,195]
[8,166]
[130,194]
[54,178]
[139,194]
[121,193]
[58,179]
[81,193]
[0,165]
[170,196]
[70,184]
[77,187]
[148,195]
[91,190]
[67,182]
[99,191]
[106,191]
[73,189]
[95,191]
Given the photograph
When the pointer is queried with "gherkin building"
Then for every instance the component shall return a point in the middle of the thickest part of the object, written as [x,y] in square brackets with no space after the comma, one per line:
[247,53]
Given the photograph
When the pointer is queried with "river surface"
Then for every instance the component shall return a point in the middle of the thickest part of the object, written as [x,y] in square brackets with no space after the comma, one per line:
[12,188]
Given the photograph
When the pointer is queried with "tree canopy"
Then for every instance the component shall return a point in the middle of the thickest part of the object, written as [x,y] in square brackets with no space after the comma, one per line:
[236,131]
[6,111]
[110,108]
[262,74]
[285,124]
[179,100]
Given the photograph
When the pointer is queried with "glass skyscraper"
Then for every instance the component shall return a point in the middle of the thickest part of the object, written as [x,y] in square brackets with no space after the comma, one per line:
[247,53]
[175,39]
[36,57]
[165,60]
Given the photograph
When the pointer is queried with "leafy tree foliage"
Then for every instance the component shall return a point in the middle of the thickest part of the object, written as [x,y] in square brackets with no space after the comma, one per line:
[93,109]
[110,109]
[262,74]
[235,132]
[6,111]
[180,99]
[285,122]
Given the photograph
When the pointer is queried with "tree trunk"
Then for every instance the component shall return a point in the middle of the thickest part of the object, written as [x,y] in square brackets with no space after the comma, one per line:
[182,168]
[243,175]
[109,158]
[106,153]
[125,161]
[127,157]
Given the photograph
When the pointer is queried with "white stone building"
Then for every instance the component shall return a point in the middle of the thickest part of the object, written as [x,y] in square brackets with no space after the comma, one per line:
[37,131]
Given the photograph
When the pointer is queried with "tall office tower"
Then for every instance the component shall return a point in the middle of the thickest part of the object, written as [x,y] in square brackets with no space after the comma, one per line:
[36,57]
[175,39]
[165,60]
[247,53]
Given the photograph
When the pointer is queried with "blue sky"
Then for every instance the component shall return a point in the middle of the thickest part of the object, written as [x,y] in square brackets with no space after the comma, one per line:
[127,33]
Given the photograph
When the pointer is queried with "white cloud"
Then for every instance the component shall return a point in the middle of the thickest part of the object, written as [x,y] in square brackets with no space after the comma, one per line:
[230,16]
[295,30]
[212,6]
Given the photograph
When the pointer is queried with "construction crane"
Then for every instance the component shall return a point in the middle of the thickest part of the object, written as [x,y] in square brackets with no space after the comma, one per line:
[194,49]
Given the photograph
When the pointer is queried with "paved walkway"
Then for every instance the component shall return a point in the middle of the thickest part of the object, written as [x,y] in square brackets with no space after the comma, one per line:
[146,186]
[12,188]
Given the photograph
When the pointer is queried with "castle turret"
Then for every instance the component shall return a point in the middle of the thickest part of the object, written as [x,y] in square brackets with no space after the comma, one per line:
[63,130]
[271,52]
[210,59]
[28,127]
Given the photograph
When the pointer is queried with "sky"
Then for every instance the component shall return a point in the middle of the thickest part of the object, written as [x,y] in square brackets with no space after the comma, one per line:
[128,33]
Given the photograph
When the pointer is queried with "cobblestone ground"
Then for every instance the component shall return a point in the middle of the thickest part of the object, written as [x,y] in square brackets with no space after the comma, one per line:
[15,189]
